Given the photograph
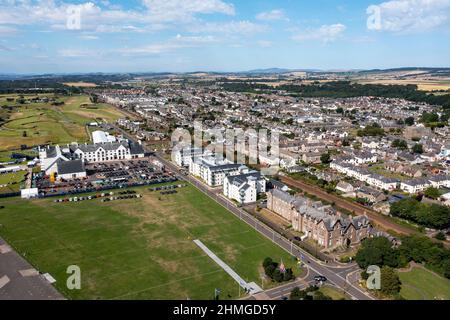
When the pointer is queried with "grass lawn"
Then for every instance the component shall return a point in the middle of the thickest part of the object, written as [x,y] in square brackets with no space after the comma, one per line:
[421,284]
[12,180]
[379,169]
[5,156]
[333,293]
[140,248]
[39,123]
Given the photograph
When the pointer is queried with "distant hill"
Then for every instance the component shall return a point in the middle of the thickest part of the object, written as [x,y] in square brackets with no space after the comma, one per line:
[267,71]
[120,76]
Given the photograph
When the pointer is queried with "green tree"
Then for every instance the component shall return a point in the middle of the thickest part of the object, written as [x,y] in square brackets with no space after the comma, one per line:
[270,271]
[288,275]
[371,131]
[434,215]
[376,251]
[325,158]
[409,121]
[267,262]
[399,144]
[390,281]
[346,142]
[432,193]
[429,117]
[418,148]
[440,236]
[296,294]
[277,275]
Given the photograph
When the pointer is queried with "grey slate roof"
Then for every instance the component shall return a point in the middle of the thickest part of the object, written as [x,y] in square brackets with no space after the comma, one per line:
[136,148]
[106,146]
[318,212]
[243,178]
[69,167]
[51,152]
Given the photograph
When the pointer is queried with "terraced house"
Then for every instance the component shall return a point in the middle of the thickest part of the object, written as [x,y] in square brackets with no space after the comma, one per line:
[319,222]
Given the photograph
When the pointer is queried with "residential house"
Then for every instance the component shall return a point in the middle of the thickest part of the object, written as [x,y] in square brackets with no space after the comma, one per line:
[344,187]
[415,185]
[371,195]
[321,223]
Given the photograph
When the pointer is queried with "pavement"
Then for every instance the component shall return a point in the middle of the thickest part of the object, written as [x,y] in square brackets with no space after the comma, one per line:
[20,281]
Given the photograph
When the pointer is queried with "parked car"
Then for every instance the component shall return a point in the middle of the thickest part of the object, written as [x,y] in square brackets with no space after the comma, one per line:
[320,278]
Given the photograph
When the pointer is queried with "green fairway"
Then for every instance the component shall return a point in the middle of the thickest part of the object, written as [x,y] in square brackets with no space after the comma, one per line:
[40,123]
[140,248]
[421,284]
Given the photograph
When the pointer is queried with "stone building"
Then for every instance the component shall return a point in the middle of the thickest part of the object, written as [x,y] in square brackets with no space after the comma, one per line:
[317,221]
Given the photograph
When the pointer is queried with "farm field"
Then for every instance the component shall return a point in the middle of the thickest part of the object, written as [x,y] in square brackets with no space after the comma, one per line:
[81,84]
[39,123]
[140,248]
[424,85]
[422,284]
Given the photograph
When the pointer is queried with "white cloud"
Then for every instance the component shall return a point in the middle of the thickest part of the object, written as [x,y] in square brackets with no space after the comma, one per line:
[156,15]
[75,53]
[88,37]
[6,30]
[264,43]
[326,33]
[273,15]
[178,42]
[171,10]
[233,27]
[409,15]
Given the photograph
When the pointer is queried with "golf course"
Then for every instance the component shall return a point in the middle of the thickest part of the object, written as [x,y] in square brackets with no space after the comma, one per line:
[25,122]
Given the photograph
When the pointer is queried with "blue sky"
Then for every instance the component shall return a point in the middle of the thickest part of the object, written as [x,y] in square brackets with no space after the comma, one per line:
[221,35]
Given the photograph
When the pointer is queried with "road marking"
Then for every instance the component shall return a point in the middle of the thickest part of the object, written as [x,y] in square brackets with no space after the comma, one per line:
[5,249]
[4,281]
[29,273]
